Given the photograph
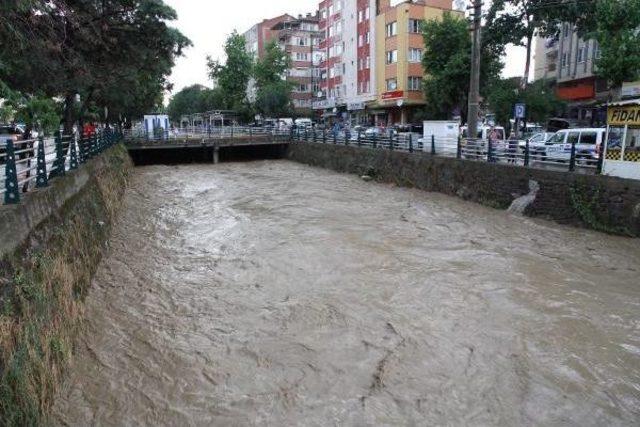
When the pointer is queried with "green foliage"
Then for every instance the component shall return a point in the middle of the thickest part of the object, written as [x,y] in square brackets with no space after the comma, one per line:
[232,76]
[585,202]
[617,26]
[273,93]
[447,61]
[39,113]
[541,101]
[274,100]
[271,68]
[115,54]
[195,99]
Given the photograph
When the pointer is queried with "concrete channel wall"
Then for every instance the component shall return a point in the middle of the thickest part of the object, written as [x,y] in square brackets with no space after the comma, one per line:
[602,203]
[50,246]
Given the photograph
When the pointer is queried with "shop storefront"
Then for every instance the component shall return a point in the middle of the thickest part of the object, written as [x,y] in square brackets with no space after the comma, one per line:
[622,148]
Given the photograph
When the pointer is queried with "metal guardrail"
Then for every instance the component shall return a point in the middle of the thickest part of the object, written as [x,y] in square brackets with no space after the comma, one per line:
[31,164]
[567,157]
[204,133]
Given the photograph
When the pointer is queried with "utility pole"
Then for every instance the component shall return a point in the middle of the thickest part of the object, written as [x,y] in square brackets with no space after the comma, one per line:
[474,87]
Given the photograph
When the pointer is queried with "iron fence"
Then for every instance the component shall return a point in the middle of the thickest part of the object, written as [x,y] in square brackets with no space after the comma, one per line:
[33,163]
[561,157]
[204,133]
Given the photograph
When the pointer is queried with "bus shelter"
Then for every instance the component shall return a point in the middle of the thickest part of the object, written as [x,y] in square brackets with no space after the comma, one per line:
[622,148]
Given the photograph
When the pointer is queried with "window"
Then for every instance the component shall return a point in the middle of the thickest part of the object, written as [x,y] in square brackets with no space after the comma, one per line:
[581,54]
[392,56]
[415,83]
[391,29]
[368,63]
[573,138]
[360,41]
[566,30]
[366,13]
[565,59]
[360,16]
[392,84]
[303,88]
[597,54]
[366,38]
[299,56]
[415,25]
[589,138]
[415,55]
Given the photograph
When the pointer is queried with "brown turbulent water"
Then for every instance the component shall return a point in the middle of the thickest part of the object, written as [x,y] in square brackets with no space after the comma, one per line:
[271,293]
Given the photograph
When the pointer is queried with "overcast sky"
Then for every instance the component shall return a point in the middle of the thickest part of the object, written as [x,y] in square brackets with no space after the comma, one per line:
[208,22]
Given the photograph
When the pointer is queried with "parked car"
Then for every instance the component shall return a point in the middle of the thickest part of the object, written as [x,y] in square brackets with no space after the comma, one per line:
[535,141]
[588,142]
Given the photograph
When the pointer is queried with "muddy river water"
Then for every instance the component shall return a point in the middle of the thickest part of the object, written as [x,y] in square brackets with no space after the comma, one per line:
[273,293]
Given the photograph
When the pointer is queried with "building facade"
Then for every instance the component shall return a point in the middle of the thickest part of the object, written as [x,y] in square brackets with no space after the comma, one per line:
[399,49]
[568,62]
[300,38]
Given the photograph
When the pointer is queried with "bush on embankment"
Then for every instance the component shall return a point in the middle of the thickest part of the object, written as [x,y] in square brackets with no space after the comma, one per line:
[43,282]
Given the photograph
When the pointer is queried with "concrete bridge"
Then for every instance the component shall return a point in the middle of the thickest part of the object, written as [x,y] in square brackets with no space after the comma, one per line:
[206,144]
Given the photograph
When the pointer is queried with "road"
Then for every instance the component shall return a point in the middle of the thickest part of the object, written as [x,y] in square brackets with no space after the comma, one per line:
[273,293]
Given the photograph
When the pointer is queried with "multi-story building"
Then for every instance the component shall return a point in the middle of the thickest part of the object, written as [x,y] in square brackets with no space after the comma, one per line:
[256,38]
[331,68]
[568,62]
[399,49]
[300,39]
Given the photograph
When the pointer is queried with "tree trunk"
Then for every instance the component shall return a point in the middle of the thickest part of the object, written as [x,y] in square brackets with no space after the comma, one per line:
[527,66]
[69,119]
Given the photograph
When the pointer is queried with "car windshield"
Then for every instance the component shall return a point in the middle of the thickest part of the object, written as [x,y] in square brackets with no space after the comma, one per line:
[558,138]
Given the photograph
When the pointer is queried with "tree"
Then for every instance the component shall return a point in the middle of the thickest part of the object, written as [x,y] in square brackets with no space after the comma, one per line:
[273,92]
[232,76]
[274,100]
[516,22]
[617,28]
[194,99]
[272,67]
[446,63]
[115,54]
[540,99]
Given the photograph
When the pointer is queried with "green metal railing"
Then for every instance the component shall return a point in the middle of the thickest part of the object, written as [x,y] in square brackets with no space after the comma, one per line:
[32,164]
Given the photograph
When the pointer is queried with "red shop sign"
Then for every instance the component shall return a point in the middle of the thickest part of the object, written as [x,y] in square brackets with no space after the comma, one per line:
[392,95]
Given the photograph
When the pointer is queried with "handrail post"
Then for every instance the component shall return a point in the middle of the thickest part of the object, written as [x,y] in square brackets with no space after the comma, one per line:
[41,171]
[359,138]
[489,151]
[572,160]
[73,163]
[375,140]
[459,148]
[410,142]
[600,163]
[59,162]
[527,153]
[335,137]
[324,136]
[433,145]
[391,141]
[12,193]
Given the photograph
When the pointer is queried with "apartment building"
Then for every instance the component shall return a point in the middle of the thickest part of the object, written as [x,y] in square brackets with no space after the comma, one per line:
[569,63]
[300,38]
[256,38]
[399,50]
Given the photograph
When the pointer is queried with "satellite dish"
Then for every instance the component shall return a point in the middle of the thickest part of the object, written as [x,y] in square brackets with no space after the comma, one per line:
[400,102]
[319,94]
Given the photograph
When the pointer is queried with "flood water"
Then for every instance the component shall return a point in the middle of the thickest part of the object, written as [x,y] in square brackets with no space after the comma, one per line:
[273,293]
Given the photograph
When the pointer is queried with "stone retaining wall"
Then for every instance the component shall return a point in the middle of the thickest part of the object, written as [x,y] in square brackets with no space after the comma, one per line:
[603,203]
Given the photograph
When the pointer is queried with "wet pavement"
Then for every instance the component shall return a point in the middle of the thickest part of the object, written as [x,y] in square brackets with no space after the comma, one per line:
[273,293]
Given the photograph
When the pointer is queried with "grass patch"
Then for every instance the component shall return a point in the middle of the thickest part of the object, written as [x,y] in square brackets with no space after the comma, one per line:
[42,288]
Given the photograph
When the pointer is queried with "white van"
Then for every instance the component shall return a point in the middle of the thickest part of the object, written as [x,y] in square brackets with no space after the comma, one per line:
[588,143]
[304,123]
[445,135]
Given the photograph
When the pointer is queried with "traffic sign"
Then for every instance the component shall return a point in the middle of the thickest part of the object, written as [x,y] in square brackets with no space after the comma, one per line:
[520,111]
